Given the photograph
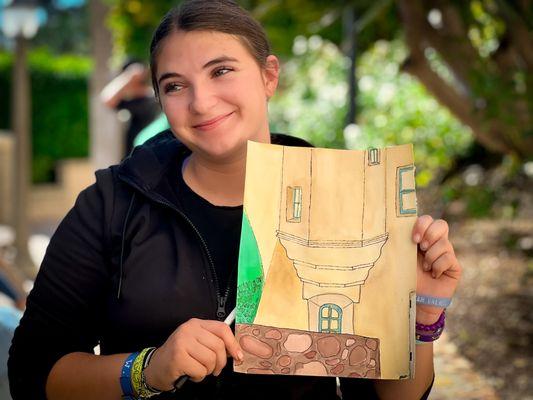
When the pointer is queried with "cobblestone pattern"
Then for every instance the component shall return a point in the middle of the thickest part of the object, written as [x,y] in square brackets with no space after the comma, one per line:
[271,350]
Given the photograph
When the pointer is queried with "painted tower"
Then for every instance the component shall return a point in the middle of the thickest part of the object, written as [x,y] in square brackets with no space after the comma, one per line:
[325,227]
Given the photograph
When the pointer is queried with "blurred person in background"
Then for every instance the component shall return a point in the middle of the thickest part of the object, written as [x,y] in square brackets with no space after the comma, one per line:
[131,92]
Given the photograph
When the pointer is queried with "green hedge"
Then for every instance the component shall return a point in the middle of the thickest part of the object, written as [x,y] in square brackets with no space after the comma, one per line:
[59,108]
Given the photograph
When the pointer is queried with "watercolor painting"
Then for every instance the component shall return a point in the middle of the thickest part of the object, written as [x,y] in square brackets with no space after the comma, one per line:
[327,270]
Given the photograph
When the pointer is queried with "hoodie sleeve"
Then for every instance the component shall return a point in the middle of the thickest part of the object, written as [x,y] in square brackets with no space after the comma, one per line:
[63,309]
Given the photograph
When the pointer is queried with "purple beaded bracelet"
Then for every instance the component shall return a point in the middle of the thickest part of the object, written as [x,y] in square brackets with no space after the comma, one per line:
[430,333]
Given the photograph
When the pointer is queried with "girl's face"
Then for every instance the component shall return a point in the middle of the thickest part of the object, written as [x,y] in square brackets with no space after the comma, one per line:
[214,93]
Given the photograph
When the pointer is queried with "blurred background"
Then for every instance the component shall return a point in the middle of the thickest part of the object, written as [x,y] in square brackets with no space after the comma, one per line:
[455,78]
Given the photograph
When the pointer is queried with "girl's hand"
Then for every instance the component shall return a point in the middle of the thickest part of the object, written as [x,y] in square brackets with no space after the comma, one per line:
[438,270]
[196,348]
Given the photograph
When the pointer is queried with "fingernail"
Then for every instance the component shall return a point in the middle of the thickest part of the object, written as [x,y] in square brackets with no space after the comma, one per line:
[424,246]
[426,266]
[434,275]
[417,238]
[240,355]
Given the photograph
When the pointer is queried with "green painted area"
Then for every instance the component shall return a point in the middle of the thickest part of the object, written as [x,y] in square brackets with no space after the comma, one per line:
[250,279]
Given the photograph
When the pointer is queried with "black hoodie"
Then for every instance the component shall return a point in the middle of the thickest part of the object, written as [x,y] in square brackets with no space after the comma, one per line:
[124,269]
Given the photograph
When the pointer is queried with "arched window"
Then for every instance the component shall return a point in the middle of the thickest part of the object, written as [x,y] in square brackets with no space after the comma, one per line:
[330,318]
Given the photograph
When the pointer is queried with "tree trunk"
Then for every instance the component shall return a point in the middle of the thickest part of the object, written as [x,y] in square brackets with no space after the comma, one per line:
[506,130]
[104,128]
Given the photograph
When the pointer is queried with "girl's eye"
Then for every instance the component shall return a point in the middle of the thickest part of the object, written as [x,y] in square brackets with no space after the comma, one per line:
[173,87]
[221,71]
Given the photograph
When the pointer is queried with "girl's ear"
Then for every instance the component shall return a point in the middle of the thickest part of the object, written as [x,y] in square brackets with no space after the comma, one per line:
[271,75]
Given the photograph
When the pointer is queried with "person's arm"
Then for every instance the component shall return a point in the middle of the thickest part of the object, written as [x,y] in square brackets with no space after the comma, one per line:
[438,273]
[129,83]
[85,376]
[63,313]
[197,348]
[410,388]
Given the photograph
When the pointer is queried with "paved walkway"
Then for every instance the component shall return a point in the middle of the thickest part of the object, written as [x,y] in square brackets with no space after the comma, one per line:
[455,377]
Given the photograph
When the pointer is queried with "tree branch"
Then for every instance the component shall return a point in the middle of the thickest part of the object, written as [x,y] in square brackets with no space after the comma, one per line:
[451,41]
[520,34]
[461,106]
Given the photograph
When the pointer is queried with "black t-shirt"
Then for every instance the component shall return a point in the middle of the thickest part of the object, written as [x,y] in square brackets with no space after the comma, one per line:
[220,228]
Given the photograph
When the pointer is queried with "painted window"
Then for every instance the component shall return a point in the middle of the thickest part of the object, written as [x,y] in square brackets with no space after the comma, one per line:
[294,203]
[373,157]
[330,318]
[406,191]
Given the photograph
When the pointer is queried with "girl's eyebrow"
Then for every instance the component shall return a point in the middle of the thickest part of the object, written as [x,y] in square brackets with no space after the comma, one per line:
[218,60]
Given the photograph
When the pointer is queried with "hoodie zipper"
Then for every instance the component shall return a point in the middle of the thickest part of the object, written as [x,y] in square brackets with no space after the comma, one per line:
[221,300]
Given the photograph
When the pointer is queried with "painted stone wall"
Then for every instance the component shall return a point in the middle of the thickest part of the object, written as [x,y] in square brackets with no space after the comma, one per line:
[271,350]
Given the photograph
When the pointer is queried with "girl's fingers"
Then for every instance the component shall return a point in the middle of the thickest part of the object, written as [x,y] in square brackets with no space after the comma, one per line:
[195,370]
[436,230]
[420,227]
[215,344]
[442,264]
[204,355]
[224,332]
[438,248]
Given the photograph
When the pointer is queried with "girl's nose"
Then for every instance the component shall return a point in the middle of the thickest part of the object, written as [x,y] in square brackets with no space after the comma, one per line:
[202,100]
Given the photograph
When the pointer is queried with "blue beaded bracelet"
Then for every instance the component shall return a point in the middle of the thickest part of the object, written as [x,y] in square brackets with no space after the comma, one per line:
[125,377]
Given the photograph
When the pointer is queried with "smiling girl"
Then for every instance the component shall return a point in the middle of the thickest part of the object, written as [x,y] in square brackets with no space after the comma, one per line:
[145,263]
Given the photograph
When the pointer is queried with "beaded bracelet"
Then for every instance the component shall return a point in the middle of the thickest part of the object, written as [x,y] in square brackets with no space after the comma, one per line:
[430,333]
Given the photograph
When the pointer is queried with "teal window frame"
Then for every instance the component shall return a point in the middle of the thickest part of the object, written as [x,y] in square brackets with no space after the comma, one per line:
[329,319]
[294,204]
[402,192]
[297,202]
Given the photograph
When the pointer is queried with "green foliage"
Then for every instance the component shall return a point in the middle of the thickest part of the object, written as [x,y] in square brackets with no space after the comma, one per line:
[285,20]
[59,108]
[393,107]
[74,20]
[133,23]
[396,109]
[311,101]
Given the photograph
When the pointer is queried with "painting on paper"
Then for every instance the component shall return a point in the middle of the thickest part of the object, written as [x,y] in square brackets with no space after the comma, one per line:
[327,268]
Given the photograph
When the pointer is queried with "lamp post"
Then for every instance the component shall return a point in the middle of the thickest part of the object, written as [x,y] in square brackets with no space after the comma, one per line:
[20,22]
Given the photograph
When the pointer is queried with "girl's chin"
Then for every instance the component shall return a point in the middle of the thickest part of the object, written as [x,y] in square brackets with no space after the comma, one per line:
[223,151]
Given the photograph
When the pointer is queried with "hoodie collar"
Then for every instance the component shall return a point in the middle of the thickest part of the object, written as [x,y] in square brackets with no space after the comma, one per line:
[149,166]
